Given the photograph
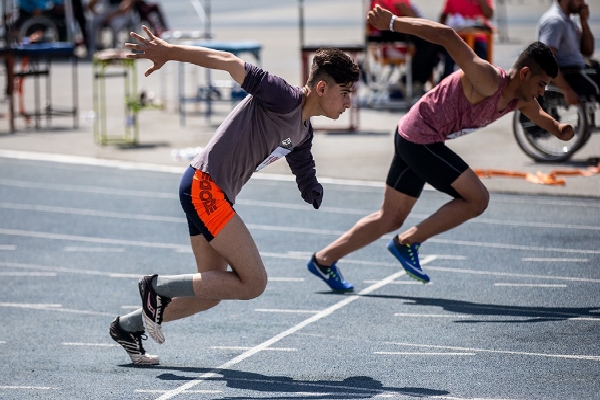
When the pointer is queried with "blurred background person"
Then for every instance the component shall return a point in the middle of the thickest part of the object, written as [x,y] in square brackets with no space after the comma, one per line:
[467,14]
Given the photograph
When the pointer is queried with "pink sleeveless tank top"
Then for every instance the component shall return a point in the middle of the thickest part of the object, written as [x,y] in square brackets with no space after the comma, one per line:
[445,113]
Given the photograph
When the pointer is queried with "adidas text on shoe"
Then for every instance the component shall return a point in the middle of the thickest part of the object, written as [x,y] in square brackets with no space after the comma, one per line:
[331,276]
[132,343]
[408,255]
[153,306]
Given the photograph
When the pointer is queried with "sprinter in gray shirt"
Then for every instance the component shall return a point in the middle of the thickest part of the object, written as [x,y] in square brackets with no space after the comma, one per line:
[272,122]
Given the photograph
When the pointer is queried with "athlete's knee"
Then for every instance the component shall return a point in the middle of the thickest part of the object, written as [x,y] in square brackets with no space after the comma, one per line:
[480,203]
[395,222]
[254,287]
[389,220]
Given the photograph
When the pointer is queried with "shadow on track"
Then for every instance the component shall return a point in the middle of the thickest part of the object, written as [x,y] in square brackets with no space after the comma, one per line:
[534,314]
[355,387]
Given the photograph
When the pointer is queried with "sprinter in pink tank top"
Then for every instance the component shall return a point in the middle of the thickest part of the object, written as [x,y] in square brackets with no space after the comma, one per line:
[470,98]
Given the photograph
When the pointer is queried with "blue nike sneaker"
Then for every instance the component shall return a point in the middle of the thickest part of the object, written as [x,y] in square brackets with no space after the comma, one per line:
[408,255]
[332,276]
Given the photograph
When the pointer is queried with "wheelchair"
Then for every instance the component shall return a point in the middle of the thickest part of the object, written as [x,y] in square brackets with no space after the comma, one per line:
[541,145]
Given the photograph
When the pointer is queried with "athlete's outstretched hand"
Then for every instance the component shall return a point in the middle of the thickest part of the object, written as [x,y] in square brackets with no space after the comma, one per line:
[566,132]
[380,18]
[153,48]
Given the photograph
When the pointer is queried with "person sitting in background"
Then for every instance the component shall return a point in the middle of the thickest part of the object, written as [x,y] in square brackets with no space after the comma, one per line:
[571,45]
[460,14]
[426,53]
[115,14]
[35,17]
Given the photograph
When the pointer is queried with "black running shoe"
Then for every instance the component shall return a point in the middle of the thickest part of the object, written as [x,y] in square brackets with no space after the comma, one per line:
[154,306]
[132,343]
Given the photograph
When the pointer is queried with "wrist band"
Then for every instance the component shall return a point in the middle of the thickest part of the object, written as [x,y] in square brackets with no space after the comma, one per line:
[392,22]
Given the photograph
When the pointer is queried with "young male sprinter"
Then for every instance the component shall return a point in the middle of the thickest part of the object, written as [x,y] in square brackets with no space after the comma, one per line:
[272,122]
[470,98]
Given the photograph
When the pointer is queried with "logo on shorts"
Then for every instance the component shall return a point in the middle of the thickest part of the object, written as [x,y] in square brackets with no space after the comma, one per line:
[210,204]
[286,143]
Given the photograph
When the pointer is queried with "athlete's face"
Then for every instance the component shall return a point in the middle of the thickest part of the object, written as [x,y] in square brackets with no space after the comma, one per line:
[335,98]
[533,86]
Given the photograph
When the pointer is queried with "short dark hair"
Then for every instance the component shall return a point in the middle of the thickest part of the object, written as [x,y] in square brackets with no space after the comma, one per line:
[332,64]
[538,57]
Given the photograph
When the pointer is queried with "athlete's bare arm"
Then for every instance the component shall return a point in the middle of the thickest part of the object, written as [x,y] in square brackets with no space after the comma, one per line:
[533,111]
[484,78]
[159,52]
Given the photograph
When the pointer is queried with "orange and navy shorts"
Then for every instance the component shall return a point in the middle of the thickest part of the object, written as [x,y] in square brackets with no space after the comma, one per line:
[205,205]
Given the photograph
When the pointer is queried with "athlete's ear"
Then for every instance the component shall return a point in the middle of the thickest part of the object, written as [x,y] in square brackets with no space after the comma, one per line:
[524,73]
[321,85]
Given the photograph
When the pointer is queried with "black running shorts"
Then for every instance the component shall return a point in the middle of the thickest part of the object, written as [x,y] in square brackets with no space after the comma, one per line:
[416,164]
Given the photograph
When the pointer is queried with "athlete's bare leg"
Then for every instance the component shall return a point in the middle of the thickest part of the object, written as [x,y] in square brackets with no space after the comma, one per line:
[233,246]
[474,202]
[207,259]
[394,210]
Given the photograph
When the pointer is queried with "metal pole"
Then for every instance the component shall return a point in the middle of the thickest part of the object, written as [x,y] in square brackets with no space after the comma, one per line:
[301,22]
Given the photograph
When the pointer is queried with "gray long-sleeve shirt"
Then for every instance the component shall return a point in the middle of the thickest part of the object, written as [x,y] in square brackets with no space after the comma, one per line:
[260,129]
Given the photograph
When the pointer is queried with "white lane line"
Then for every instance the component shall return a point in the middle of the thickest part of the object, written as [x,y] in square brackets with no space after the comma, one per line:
[409,353]
[94,250]
[585,319]
[7,247]
[296,257]
[530,224]
[89,212]
[255,350]
[27,388]
[68,270]
[508,274]
[129,165]
[52,307]
[51,271]
[132,165]
[554,260]
[275,310]
[247,202]
[508,246]
[186,247]
[32,274]
[29,305]
[2,342]
[241,348]
[90,239]
[401,282]
[80,160]
[284,279]
[540,201]
[509,352]
[187,391]
[90,344]
[469,398]
[86,189]
[432,315]
[529,285]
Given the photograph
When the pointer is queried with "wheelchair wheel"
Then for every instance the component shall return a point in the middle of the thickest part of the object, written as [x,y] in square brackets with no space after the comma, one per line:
[38,25]
[540,144]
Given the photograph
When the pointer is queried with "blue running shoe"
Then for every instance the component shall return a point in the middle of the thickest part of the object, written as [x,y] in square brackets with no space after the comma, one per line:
[332,276]
[408,255]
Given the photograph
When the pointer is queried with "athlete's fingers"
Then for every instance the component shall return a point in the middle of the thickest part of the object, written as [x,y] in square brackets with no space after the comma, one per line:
[133,46]
[138,37]
[148,32]
[135,56]
[150,70]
